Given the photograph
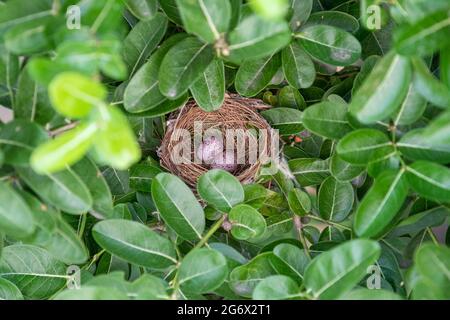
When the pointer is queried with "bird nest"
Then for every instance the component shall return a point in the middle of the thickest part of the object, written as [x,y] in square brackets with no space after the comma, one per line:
[239,127]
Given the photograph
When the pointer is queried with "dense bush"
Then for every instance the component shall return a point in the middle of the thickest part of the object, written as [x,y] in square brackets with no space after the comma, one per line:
[359,91]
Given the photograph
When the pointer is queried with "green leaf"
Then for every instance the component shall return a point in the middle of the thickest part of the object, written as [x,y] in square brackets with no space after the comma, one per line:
[255,38]
[94,180]
[276,288]
[416,146]
[142,93]
[8,291]
[432,266]
[115,143]
[207,19]
[64,190]
[253,76]
[247,222]
[308,171]
[16,12]
[290,260]
[220,189]
[383,91]
[289,97]
[143,9]
[335,199]
[335,272]
[343,170]
[209,90]
[92,294]
[18,139]
[330,45]
[29,37]
[327,119]
[178,206]
[425,36]
[445,67]
[74,95]
[65,150]
[287,120]
[16,218]
[299,202]
[301,11]
[412,108]
[33,270]
[381,204]
[370,294]
[419,221]
[135,243]
[202,271]
[255,195]
[430,180]
[142,40]
[428,86]
[245,278]
[298,67]
[336,19]
[171,10]
[183,65]
[365,145]
[142,175]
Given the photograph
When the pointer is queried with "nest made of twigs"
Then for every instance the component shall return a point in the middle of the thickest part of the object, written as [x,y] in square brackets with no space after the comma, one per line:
[235,113]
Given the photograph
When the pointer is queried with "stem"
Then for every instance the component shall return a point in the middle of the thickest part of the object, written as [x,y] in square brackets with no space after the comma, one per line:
[61,130]
[211,231]
[82,225]
[299,226]
[176,286]
[95,258]
[433,237]
[330,223]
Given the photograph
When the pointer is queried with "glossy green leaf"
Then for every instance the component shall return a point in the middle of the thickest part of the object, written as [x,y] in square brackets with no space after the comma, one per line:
[430,180]
[8,291]
[253,76]
[416,146]
[206,19]
[412,108]
[135,243]
[289,97]
[425,36]
[33,270]
[327,119]
[287,120]
[381,204]
[255,38]
[298,67]
[16,12]
[29,37]
[419,221]
[220,189]
[299,202]
[245,278]
[428,86]
[247,222]
[178,206]
[18,140]
[336,19]
[142,40]
[335,199]
[142,92]
[202,271]
[343,170]
[16,218]
[383,91]
[73,95]
[115,143]
[183,65]
[290,260]
[142,175]
[371,294]
[209,90]
[330,45]
[143,9]
[308,171]
[335,272]
[276,288]
[64,190]
[301,11]
[365,145]
[64,150]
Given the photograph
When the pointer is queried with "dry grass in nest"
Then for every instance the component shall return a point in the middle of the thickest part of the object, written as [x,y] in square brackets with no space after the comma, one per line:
[235,113]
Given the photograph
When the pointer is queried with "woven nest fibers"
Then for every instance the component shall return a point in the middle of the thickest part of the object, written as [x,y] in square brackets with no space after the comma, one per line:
[197,141]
